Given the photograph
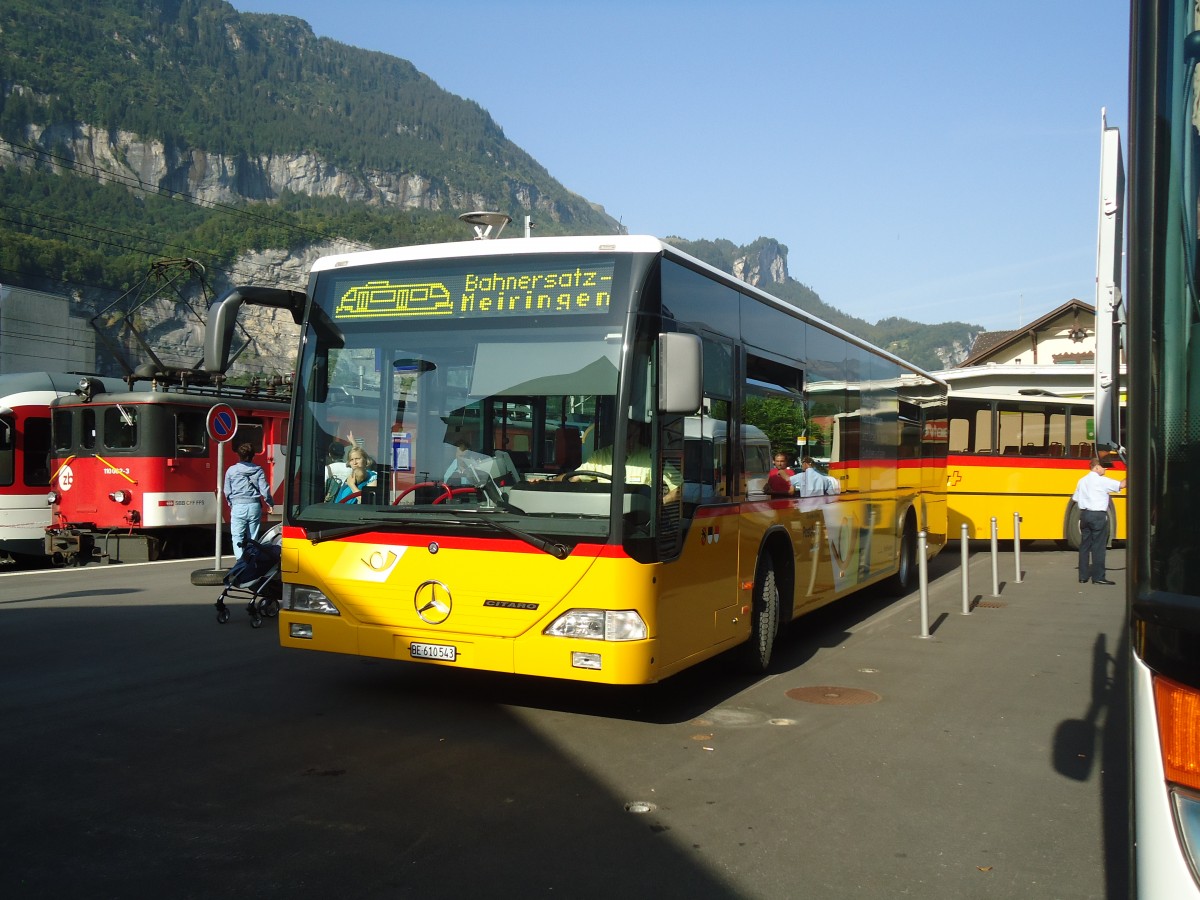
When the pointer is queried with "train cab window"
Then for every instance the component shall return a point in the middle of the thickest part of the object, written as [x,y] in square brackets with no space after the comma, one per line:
[191,432]
[120,427]
[64,436]
[87,429]
[248,433]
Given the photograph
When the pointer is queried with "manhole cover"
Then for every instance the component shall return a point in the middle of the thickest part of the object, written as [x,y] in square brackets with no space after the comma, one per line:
[991,604]
[833,696]
[640,807]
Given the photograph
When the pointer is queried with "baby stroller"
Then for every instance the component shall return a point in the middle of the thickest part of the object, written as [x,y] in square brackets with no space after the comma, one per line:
[255,577]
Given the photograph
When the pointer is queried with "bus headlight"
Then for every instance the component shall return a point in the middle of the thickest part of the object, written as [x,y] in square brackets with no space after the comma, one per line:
[599,625]
[306,598]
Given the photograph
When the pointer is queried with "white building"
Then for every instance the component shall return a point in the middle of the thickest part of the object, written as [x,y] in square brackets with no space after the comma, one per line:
[1064,336]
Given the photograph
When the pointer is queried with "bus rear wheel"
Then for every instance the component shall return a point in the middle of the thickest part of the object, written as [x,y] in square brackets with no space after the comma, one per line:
[764,624]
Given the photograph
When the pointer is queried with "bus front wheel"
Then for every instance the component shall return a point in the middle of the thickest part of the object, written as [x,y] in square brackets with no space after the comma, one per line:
[764,624]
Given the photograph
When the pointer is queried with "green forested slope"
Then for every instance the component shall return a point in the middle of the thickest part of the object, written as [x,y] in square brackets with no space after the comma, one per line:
[197,75]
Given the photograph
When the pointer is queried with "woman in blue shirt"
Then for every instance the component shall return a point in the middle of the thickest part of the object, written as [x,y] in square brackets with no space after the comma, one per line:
[246,490]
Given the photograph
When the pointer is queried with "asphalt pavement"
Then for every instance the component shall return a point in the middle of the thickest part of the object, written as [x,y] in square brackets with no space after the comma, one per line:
[151,751]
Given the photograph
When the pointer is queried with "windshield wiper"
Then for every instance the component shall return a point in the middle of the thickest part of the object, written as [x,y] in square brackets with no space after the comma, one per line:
[557,550]
[332,534]
[459,517]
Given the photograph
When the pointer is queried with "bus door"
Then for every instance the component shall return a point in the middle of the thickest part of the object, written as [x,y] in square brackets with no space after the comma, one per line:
[699,592]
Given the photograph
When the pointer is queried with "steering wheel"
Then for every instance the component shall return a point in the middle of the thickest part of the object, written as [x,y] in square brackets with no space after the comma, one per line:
[570,475]
[353,497]
[446,492]
[457,492]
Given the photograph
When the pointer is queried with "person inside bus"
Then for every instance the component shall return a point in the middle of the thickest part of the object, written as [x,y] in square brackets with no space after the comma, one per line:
[1092,496]
[360,476]
[808,482]
[639,465]
[246,490]
[467,467]
[336,469]
[779,478]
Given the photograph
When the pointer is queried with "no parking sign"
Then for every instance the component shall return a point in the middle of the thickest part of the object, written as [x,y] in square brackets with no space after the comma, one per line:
[222,423]
[222,426]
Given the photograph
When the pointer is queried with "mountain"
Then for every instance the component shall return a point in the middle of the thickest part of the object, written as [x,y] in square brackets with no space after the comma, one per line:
[182,128]
[763,263]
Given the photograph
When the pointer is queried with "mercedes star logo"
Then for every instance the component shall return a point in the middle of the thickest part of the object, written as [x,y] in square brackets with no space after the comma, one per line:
[433,602]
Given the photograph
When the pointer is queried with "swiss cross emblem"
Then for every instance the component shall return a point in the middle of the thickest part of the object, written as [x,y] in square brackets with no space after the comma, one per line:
[710,534]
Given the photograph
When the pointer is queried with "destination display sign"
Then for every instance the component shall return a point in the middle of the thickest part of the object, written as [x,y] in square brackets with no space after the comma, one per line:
[491,289]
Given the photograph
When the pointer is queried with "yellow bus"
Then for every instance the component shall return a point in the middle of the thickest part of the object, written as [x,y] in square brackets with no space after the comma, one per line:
[492,532]
[1021,437]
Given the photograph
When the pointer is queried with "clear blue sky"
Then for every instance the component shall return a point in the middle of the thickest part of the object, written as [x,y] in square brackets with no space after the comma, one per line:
[937,160]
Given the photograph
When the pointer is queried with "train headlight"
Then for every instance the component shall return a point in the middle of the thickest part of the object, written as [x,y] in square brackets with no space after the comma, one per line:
[51,498]
[599,625]
[120,496]
[306,598]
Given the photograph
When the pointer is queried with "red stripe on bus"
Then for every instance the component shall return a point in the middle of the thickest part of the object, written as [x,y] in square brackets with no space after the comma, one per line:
[1027,462]
[452,542]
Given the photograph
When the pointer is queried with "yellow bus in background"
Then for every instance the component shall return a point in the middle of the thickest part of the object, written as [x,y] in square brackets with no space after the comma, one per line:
[1020,438]
[568,466]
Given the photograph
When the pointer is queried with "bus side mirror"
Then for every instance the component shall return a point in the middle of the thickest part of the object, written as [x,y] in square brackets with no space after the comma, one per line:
[680,373]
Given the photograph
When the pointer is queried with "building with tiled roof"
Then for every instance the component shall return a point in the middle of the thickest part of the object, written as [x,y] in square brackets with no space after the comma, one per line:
[1064,336]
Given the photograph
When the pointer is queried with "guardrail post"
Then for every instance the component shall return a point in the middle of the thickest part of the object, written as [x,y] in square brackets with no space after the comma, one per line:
[1017,545]
[966,579]
[995,561]
[923,580]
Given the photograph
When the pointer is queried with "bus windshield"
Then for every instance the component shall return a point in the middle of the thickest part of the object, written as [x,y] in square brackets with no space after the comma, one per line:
[436,395]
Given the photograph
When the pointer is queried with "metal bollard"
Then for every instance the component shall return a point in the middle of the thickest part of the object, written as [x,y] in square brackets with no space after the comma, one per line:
[923,580]
[1017,545]
[995,561]
[966,580]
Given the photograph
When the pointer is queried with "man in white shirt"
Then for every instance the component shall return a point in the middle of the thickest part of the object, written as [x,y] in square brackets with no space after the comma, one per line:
[808,482]
[639,466]
[1091,496]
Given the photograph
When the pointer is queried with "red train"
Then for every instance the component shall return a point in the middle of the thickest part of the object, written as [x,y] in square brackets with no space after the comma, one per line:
[135,472]
[25,459]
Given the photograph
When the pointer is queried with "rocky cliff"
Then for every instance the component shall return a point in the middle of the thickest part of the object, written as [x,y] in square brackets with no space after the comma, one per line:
[127,158]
